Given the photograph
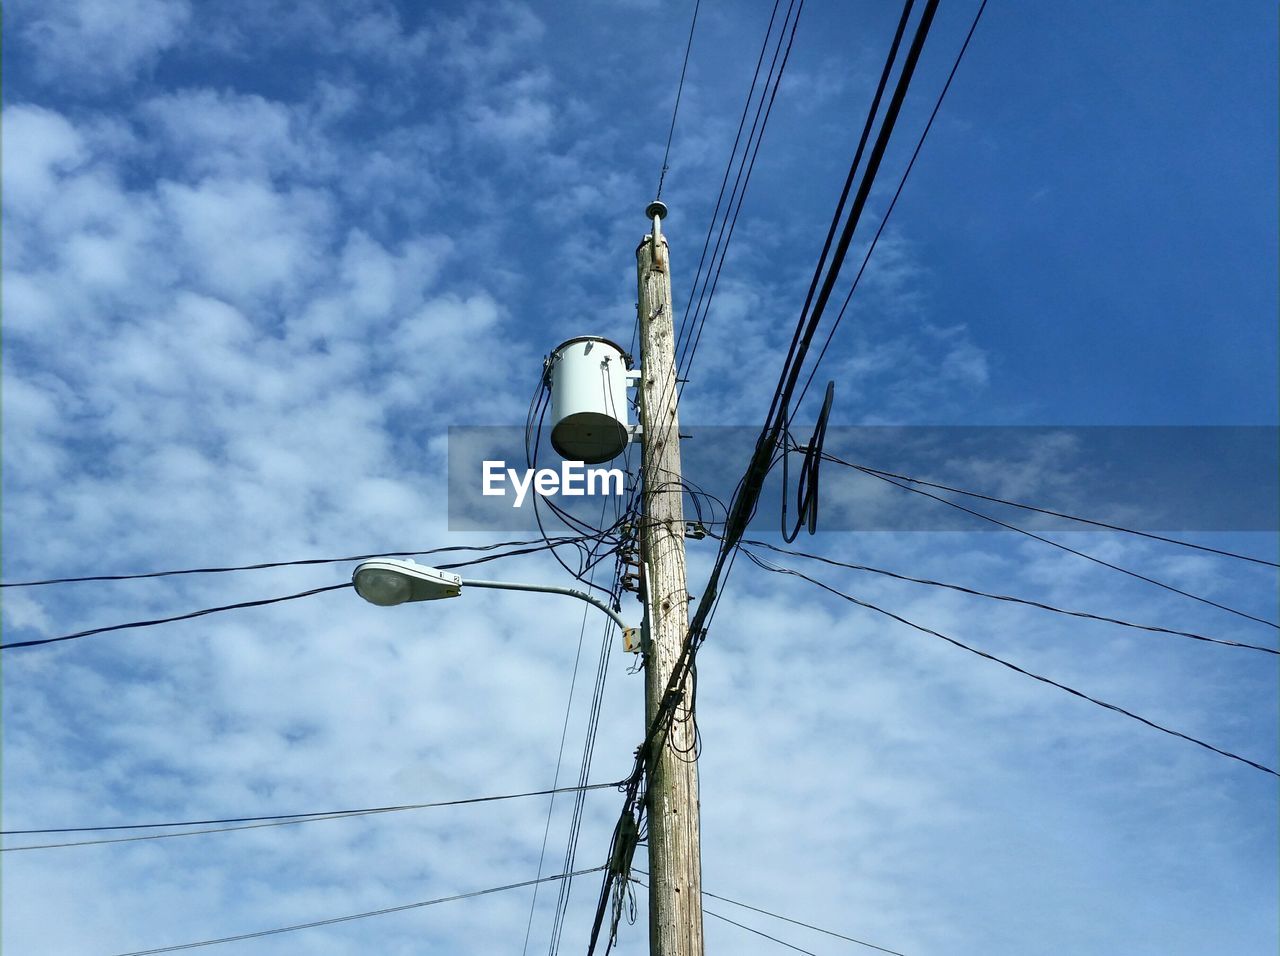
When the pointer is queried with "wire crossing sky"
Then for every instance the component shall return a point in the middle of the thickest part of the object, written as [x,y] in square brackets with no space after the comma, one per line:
[260,258]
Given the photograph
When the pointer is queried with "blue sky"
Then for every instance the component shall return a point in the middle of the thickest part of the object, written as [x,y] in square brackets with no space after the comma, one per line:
[258,257]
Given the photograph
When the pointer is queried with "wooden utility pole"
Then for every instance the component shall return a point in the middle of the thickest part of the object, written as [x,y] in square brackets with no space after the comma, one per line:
[675,860]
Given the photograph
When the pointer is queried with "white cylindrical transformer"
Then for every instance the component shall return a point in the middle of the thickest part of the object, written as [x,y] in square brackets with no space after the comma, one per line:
[588,399]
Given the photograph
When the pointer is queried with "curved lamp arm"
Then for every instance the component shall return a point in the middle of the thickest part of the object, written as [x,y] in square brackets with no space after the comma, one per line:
[629,634]
[390,581]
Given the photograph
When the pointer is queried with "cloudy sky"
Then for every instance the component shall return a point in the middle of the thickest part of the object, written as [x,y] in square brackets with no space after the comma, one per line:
[259,257]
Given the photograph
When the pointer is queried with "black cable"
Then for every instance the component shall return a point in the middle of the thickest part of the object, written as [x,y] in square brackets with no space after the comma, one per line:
[881,85]
[679,90]
[169,620]
[575,825]
[1013,600]
[247,604]
[892,203]
[758,932]
[808,325]
[548,545]
[778,569]
[685,362]
[762,459]
[807,485]
[275,564]
[733,152]
[576,821]
[1059,514]
[273,820]
[787,919]
[1050,541]
[555,780]
[354,916]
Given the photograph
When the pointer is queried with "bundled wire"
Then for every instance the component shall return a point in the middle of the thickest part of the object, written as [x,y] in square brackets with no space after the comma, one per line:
[605,539]
[807,487]
[884,220]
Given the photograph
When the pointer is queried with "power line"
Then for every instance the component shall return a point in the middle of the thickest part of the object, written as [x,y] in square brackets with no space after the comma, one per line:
[758,932]
[575,824]
[584,769]
[881,85]
[788,919]
[679,90]
[749,929]
[1056,514]
[892,203]
[809,319]
[353,916]
[797,922]
[555,780]
[284,564]
[1009,598]
[733,152]
[259,603]
[272,820]
[769,566]
[1050,541]
[169,620]
[685,361]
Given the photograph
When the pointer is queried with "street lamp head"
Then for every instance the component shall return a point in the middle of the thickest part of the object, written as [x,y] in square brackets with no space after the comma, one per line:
[387,582]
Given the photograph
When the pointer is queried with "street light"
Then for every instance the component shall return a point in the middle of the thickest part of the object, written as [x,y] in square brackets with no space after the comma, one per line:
[387,582]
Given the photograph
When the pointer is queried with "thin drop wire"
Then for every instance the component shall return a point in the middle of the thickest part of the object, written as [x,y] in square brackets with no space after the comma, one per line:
[270,821]
[177,617]
[1009,598]
[564,731]
[248,604]
[302,562]
[1061,514]
[1056,544]
[788,919]
[769,566]
[349,918]
[679,91]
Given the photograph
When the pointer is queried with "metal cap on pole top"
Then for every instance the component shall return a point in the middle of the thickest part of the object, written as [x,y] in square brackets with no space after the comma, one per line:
[656,211]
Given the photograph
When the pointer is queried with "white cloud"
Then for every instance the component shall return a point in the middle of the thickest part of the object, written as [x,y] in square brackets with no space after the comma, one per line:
[39,146]
[98,44]
[245,241]
[223,135]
